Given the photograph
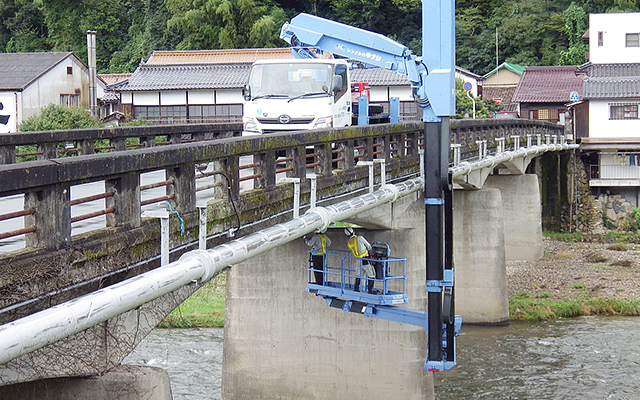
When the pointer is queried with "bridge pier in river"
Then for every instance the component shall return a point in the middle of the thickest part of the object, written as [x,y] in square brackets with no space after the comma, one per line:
[498,223]
[281,342]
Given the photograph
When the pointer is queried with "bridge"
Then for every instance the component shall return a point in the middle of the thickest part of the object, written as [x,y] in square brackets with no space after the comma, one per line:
[236,188]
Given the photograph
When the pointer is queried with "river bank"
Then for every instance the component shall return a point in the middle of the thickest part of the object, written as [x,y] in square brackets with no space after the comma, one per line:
[576,278]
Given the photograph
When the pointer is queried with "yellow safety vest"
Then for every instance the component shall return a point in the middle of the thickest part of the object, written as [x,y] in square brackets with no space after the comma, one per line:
[353,246]
[323,244]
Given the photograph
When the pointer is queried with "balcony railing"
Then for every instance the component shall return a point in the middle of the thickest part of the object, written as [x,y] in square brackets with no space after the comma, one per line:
[618,172]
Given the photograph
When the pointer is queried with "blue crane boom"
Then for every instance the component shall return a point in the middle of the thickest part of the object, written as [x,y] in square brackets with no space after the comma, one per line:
[309,31]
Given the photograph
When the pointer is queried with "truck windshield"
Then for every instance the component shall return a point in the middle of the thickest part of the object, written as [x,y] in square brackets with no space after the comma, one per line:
[290,80]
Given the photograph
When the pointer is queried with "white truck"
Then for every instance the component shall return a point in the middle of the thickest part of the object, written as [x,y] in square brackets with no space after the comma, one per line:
[296,94]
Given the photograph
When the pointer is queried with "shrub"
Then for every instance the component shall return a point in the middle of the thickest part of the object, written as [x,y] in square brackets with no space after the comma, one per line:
[55,116]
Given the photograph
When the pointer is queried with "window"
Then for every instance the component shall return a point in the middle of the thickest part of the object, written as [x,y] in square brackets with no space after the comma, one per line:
[70,100]
[342,71]
[623,111]
[633,39]
[189,114]
[551,114]
[600,38]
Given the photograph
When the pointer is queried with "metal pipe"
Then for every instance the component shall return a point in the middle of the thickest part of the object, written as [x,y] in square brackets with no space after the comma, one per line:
[466,167]
[91,60]
[37,330]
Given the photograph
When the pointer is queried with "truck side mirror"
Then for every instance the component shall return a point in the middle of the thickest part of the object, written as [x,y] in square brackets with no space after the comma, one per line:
[336,83]
[246,92]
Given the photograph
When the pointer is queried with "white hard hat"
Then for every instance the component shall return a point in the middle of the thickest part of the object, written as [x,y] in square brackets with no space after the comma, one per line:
[349,231]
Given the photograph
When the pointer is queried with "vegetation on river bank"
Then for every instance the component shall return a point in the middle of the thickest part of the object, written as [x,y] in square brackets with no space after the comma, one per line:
[528,307]
[204,308]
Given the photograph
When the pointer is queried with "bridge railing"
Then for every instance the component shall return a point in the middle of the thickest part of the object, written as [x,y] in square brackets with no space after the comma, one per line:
[43,210]
[227,166]
[30,146]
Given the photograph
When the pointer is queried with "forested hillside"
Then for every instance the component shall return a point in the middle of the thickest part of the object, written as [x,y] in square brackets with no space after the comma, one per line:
[528,32]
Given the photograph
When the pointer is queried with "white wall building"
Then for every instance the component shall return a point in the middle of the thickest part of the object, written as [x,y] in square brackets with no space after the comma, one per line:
[612,88]
[31,81]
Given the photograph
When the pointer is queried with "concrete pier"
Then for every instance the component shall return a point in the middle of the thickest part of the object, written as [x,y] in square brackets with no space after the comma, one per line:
[283,343]
[522,215]
[124,382]
[479,257]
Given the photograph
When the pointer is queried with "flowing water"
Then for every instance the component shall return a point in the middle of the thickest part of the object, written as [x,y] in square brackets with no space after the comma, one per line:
[581,358]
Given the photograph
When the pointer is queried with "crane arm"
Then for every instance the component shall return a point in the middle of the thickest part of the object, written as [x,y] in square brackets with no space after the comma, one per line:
[371,48]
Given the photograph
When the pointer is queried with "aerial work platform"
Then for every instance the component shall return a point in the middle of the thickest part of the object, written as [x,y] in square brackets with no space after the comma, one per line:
[342,272]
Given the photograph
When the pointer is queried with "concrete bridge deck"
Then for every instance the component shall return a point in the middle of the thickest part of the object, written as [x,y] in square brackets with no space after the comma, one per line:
[54,264]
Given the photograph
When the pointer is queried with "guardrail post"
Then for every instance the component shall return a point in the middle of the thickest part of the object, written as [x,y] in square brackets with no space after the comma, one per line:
[547,138]
[119,143]
[52,217]
[48,150]
[539,139]
[266,169]
[125,200]
[501,146]
[86,146]
[298,163]
[324,159]
[480,149]
[516,142]
[183,188]
[529,139]
[7,154]
[347,150]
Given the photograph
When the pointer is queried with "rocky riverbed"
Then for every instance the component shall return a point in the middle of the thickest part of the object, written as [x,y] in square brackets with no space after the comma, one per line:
[570,270]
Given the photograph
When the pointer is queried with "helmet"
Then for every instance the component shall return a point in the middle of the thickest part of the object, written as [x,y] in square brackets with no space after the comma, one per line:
[349,231]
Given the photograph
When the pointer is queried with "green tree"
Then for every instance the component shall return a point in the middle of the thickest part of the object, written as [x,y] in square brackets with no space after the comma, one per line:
[224,24]
[464,105]
[56,116]
[22,27]
[575,24]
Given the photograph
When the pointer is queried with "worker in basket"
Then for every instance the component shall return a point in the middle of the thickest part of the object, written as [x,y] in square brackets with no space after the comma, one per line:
[360,247]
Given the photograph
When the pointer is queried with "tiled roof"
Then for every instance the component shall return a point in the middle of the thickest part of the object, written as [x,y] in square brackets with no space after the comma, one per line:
[378,77]
[110,79]
[504,92]
[226,56]
[612,81]
[548,84]
[184,77]
[18,70]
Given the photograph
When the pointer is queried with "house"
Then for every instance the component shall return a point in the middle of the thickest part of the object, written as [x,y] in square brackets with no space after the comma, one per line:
[544,93]
[31,81]
[610,142]
[206,85]
[500,84]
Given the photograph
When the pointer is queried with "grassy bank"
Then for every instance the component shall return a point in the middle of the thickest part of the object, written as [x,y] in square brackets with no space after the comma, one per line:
[528,307]
[204,308]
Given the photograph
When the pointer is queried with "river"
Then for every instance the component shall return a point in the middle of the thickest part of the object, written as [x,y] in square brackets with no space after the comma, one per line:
[568,359]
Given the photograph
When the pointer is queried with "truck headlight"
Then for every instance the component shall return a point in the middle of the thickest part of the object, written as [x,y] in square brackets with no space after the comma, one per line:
[324,122]
[249,125]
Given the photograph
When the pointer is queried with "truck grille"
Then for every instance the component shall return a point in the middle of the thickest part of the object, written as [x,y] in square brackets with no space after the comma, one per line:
[274,121]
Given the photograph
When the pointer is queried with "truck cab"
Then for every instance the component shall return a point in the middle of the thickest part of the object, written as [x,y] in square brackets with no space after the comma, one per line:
[296,94]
